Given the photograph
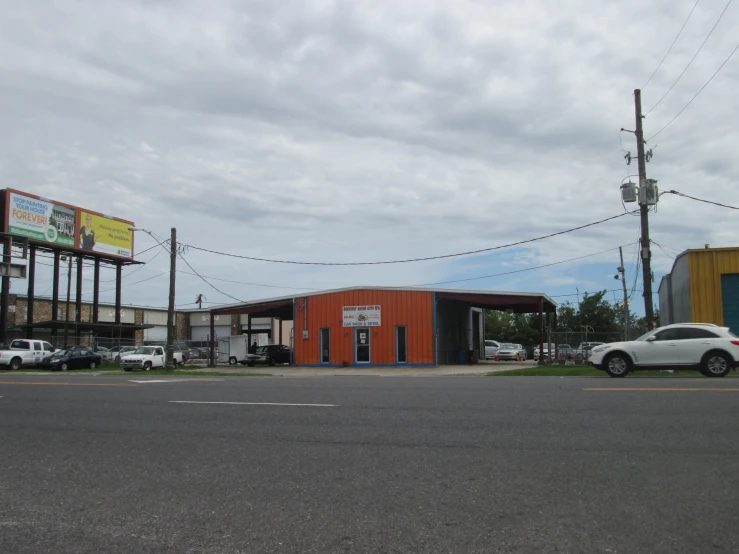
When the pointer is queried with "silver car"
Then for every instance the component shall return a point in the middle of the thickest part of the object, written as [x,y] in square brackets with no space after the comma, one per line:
[491,349]
[509,351]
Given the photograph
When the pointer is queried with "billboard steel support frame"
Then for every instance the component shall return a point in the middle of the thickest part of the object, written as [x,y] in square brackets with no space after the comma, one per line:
[55,290]
[31,289]
[96,292]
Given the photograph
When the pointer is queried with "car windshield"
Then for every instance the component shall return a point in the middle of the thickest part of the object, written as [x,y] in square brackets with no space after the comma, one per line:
[262,350]
[61,353]
[145,350]
[509,347]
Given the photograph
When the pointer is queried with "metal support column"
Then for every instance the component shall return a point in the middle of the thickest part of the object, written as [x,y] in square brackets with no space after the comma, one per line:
[248,331]
[96,292]
[7,258]
[78,298]
[31,289]
[118,293]
[212,354]
[279,322]
[55,291]
[541,331]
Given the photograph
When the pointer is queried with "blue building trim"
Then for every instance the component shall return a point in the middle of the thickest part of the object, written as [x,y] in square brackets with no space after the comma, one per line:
[434,339]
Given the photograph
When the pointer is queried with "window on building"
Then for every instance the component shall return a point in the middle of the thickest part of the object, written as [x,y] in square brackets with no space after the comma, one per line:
[401,341]
[325,346]
[59,313]
[25,313]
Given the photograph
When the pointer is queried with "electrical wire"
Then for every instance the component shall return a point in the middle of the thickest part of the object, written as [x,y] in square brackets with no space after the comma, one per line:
[696,94]
[407,260]
[246,283]
[671,45]
[699,199]
[692,59]
[663,250]
[518,270]
[211,285]
[179,253]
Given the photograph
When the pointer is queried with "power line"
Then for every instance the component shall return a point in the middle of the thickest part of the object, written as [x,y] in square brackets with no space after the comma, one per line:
[246,283]
[517,270]
[252,258]
[696,94]
[211,285]
[671,45]
[700,199]
[663,250]
[692,59]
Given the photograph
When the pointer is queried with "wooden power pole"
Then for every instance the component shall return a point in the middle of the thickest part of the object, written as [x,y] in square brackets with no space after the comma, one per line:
[645,251]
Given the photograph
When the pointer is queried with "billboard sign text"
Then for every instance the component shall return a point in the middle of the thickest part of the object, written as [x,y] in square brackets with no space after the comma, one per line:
[105,235]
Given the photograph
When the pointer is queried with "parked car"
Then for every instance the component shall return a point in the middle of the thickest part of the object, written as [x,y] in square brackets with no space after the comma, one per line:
[147,358]
[117,352]
[271,354]
[547,348]
[78,357]
[491,349]
[711,349]
[509,351]
[25,352]
[585,349]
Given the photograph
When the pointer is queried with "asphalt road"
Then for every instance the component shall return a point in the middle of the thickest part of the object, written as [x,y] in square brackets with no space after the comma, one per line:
[463,464]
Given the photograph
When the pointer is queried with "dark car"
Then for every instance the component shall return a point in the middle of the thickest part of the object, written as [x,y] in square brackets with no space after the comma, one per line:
[272,354]
[72,358]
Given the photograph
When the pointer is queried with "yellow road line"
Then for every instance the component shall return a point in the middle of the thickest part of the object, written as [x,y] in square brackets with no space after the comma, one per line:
[22,384]
[665,389]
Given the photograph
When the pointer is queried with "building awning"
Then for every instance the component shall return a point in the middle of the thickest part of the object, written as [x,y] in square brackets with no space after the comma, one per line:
[81,327]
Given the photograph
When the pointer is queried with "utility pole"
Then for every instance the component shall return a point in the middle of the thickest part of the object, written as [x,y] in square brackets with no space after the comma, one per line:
[170,311]
[646,253]
[622,271]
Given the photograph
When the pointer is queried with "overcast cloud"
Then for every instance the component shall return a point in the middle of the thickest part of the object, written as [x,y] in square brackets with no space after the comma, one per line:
[361,131]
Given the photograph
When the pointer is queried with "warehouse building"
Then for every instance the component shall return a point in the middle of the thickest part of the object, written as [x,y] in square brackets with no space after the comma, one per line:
[703,287]
[388,326]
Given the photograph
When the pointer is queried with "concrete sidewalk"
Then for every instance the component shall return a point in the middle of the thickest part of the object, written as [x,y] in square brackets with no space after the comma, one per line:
[444,370]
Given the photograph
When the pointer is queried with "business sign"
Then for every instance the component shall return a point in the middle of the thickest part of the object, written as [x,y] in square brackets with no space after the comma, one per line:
[40,220]
[55,223]
[361,316]
[99,233]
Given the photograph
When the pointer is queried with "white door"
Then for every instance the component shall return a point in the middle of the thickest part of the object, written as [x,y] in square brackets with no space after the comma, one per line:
[694,343]
[661,351]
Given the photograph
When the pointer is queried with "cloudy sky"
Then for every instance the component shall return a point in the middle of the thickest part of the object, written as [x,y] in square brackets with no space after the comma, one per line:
[345,131]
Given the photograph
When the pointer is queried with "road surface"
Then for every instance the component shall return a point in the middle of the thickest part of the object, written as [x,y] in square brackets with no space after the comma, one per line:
[368,464]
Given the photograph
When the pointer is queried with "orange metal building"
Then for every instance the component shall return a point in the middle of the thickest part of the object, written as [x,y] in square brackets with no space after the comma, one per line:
[388,326]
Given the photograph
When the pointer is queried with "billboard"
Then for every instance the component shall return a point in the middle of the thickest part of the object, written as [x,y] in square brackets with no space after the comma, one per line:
[99,233]
[361,316]
[56,223]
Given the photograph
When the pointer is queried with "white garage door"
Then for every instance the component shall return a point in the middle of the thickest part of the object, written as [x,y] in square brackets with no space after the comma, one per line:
[158,332]
[202,333]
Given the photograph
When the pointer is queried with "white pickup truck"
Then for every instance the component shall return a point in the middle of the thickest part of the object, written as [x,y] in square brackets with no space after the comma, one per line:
[147,358]
[25,352]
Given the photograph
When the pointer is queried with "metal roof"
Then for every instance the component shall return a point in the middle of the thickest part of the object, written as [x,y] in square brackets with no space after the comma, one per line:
[466,292]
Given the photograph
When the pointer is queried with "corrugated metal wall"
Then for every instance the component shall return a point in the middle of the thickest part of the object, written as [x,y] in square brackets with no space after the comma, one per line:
[412,309]
[680,289]
[706,268]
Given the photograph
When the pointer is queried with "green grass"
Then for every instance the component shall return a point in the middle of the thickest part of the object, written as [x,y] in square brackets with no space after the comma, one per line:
[588,371]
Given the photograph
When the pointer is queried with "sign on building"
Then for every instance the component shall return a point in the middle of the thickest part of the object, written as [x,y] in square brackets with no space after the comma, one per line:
[361,316]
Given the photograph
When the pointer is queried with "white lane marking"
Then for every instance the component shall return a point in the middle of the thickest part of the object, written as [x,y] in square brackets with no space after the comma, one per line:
[254,403]
[144,381]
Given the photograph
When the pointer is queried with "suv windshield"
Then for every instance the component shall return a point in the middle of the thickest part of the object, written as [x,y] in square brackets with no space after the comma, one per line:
[145,350]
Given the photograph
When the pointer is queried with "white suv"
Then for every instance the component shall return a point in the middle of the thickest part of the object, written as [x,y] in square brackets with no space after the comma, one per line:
[711,349]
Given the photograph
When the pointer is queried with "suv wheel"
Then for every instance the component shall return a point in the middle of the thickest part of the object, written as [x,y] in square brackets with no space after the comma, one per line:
[15,364]
[147,366]
[715,364]
[617,365]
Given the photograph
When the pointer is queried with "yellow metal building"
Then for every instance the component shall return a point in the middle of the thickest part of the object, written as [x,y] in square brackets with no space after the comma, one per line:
[703,287]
